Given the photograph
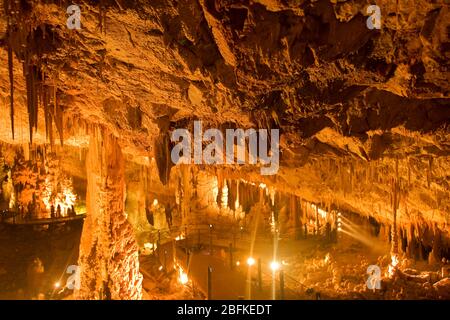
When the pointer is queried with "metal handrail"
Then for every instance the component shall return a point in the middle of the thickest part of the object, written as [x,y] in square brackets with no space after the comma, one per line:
[205,231]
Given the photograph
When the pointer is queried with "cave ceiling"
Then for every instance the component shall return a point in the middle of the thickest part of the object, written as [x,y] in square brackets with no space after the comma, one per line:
[336,89]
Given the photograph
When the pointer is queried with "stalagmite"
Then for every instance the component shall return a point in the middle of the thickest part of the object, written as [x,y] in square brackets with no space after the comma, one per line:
[108,252]
[136,202]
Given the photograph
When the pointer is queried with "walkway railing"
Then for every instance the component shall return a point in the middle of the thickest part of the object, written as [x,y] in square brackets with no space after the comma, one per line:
[14,218]
[205,236]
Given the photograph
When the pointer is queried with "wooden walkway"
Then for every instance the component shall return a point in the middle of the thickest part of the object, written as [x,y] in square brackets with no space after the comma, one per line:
[227,283]
[21,221]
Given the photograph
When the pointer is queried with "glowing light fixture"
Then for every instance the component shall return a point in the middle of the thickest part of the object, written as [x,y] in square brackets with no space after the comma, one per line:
[393,266]
[181,236]
[275,265]
[57,285]
[250,261]
[182,276]
[149,246]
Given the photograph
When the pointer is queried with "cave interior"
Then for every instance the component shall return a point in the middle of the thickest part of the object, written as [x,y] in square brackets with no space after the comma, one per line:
[337,185]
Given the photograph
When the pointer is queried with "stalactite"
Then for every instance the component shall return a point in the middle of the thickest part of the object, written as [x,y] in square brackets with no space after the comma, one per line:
[395,204]
[232,193]
[435,254]
[34,88]
[403,240]
[58,116]
[409,171]
[305,218]
[237,204]
[12,10]
[410,234]
[187,191]
[240,195]
[429,169]
[367,173]
[26,43]
[28,88]
[220,183]
[102,16]
[47,115]
[316,220]
[11,90]
[162,156]
[352,173]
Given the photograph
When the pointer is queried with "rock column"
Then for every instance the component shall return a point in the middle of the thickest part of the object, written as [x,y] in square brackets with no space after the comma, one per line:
[109,258]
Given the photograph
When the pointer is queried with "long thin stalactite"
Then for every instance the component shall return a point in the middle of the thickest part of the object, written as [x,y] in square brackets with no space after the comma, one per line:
[26,44]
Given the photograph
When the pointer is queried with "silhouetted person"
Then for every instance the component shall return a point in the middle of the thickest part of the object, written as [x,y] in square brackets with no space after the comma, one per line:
[30,210]
[73,211]
[334,235]
[58,211]
[169,215]
[52,212]
[149,215]
[328,231]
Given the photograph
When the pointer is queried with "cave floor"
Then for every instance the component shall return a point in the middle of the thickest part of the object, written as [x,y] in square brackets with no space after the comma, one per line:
[56,247]
[313,269]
